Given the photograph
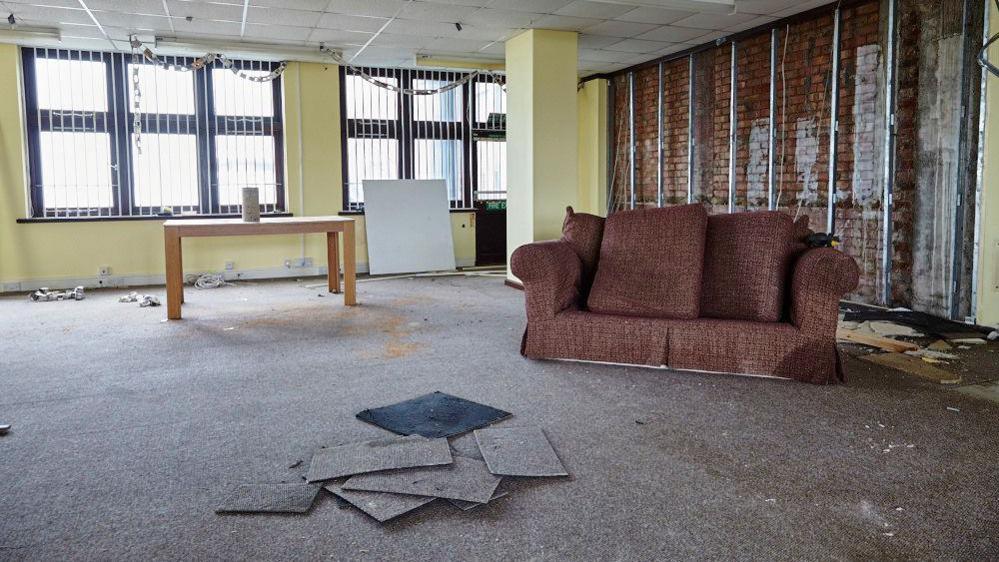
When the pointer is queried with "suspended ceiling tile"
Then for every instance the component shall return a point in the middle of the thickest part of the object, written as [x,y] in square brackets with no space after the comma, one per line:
[402,41]
[564,23]
[637,46]
[134,21]
[11,4]
[707,37]
[339,37]
[798,7]
[452,44]
[312,5]
[422,28]
[198,27]
[475,32]
[377,8]
[491,17]
[647,14]
[279,16]
[49,14]
[672,34]
[472,3]
[123,6]
[714,21]
[669,50]
[495,48]
[429,11]
[257,31]
[755,22]
[534,6]
[622,29]
[588,41]
[205,11]
[599,55]
[588,9]
[766,6]
[351,23]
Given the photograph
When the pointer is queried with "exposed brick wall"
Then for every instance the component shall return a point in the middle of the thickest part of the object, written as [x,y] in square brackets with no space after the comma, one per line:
[803,84]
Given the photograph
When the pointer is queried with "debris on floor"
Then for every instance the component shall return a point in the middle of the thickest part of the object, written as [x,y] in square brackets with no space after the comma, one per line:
[386,478]
[519,451]
[143,300]
[914,366]
[44,294]
[269,498]
[433,415]
[380,454]
[993,335]
[206,280]
[4,428]
[873,340]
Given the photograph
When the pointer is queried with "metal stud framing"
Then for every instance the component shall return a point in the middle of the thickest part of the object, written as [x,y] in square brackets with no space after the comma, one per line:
[888,166]
[833,124]
[690,131]
[957,226]
[659,149]
[732,123]
[982,114]
[631,139]
[772,132]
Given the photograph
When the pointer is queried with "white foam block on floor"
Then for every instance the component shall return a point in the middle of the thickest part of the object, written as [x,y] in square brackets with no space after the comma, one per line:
[408,226]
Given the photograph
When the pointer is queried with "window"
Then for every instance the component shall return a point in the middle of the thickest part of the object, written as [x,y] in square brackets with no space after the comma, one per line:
[457,136]
[182,142]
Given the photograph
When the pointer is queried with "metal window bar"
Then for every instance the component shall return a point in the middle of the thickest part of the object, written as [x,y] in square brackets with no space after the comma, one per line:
[457,136]
[83,160]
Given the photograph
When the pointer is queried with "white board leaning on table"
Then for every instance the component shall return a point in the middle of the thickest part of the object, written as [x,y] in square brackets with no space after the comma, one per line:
[408,226]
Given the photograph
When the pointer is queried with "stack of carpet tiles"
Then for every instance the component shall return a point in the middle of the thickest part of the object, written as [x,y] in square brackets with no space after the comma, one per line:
[388,477]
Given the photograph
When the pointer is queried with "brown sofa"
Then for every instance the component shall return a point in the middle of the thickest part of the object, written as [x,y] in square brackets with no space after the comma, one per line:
[735,293]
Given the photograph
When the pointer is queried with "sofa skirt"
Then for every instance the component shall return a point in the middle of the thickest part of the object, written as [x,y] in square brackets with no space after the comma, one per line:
[705,344]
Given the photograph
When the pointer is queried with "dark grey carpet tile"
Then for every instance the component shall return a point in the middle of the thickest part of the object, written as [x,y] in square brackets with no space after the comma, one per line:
[379,454]
[433,415]
[258,375]
[268,498]
[381,506]
[465,479]
[519,451]
[465,506]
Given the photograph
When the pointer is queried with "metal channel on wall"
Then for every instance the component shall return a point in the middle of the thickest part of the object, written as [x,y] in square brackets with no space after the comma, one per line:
[888,164]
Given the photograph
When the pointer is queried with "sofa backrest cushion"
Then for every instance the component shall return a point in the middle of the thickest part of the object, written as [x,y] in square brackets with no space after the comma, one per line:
[650,263]
[746,261]
[583,232]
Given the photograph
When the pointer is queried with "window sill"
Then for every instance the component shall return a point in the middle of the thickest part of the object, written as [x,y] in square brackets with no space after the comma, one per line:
[361,212]
[57,220]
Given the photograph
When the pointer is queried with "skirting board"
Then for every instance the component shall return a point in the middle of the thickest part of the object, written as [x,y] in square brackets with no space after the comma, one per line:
[122,281]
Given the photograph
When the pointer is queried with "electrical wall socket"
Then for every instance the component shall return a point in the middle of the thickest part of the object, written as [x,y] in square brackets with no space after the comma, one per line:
[104,271]
[230,265]
[298,262]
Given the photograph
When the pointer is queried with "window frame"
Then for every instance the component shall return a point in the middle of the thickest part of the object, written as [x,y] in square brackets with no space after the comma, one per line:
[117,122]
[406,130]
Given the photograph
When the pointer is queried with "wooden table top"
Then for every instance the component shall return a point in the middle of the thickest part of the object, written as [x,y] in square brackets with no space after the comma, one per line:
[263,220]
[271,225]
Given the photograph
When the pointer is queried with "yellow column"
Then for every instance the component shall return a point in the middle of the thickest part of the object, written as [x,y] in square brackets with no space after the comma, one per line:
[593,147]
[987,313]
[542,134]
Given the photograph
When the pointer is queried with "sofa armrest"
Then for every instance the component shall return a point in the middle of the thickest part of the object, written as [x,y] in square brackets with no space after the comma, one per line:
[822,276]
[550,272]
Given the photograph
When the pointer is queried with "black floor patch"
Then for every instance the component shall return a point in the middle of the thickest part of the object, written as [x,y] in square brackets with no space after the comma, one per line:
[433,415]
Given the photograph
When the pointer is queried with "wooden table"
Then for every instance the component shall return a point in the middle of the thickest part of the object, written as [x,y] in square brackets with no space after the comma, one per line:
[175,230]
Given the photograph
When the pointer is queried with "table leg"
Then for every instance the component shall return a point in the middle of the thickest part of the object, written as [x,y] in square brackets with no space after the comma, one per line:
[349,266]
[174,273]
[333,260]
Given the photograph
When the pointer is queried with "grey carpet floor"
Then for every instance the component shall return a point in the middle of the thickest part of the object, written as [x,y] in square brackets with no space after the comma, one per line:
[127,429]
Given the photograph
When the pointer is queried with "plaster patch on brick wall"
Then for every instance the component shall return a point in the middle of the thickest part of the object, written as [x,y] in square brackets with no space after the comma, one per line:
[867,115]
[806,154]
[756,168]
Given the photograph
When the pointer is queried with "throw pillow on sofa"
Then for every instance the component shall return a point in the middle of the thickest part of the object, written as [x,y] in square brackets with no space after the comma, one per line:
[650,263]
[746,261]
[583,233]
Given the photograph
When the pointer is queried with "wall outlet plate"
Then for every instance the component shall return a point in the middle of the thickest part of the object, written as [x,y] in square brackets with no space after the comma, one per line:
[104,271]
[298,263]
[230,265]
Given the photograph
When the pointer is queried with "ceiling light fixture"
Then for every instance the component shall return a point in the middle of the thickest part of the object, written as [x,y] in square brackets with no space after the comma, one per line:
[456,25]
[11,19]
[30,36]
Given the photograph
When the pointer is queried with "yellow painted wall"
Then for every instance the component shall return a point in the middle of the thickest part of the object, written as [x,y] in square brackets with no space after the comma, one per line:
[987,313]
[542,134]
[71,252]
[592,196]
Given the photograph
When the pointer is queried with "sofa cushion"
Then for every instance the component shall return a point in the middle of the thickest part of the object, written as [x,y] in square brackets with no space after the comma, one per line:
[650,263]
[583,233]
[746,260]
